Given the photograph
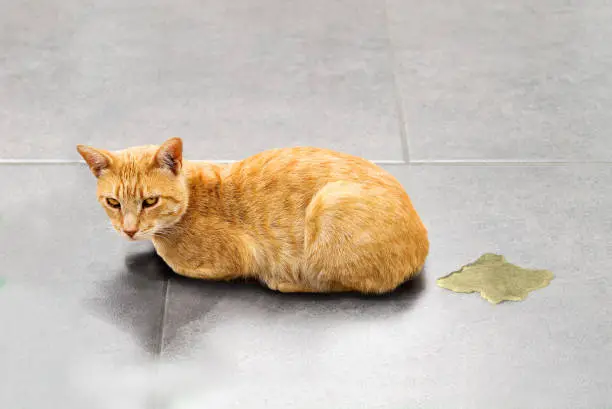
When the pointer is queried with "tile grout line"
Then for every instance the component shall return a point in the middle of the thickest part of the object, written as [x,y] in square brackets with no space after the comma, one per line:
[40,162]
[418,162]
[506,162]
[160,340]
[399,101]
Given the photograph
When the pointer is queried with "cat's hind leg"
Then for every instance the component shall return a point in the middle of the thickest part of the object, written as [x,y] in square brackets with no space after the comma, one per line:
[362,237]
[291,283]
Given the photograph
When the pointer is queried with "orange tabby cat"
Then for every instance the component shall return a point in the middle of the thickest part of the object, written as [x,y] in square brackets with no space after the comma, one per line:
[297,219]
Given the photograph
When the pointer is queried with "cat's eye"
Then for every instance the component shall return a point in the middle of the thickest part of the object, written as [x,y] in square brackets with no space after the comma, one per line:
[151,201]
[113,203]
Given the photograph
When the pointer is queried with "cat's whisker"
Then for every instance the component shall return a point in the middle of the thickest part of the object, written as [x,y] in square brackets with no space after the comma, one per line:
[164,235]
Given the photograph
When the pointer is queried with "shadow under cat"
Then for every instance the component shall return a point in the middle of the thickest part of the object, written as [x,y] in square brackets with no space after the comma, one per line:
[127,301]
[134,298]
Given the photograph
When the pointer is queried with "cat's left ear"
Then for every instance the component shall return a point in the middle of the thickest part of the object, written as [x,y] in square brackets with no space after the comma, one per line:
[170,155]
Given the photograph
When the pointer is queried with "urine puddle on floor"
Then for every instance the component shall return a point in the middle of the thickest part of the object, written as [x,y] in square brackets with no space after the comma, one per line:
[496,279]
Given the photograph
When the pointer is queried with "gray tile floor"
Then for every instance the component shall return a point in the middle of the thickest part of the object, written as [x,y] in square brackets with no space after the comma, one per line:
[494,114]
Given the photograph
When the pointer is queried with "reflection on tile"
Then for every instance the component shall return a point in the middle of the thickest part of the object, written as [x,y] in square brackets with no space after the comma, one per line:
[280,349]
[74,292]
[505,79]
[231,78]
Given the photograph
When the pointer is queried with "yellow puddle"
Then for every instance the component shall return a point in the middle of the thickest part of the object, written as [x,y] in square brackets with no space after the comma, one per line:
[496,280]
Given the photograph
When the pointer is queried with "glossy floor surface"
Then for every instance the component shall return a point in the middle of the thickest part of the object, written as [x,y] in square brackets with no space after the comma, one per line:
[495,115]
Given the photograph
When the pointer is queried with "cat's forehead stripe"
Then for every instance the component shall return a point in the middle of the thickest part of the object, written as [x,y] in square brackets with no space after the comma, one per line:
[130,188]
[130,183]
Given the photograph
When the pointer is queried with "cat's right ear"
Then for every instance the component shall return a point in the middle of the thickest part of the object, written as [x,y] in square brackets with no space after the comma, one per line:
[170,155]
[97,159]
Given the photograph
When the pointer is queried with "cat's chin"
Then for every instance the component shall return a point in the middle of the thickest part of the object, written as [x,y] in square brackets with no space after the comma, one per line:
[146,237]
[138,237]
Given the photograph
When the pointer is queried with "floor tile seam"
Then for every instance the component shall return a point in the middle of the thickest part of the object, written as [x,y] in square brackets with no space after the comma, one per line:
[506,162]
[163,318]
[400,106]
[423,162]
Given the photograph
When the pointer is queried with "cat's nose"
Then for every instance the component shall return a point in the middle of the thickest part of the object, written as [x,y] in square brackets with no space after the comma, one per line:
[130,233]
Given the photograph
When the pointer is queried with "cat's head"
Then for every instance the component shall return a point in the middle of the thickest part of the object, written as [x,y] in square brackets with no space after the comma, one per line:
[143,189]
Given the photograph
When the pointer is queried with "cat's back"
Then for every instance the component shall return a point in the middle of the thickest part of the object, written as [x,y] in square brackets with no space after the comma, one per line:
[274,187]
[304,169]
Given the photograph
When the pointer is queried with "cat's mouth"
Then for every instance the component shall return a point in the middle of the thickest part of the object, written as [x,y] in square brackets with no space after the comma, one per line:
[132,236]
[139,235]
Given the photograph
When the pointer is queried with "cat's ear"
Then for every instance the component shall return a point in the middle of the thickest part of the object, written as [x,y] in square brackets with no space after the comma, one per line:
[170,155]
[97,159]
